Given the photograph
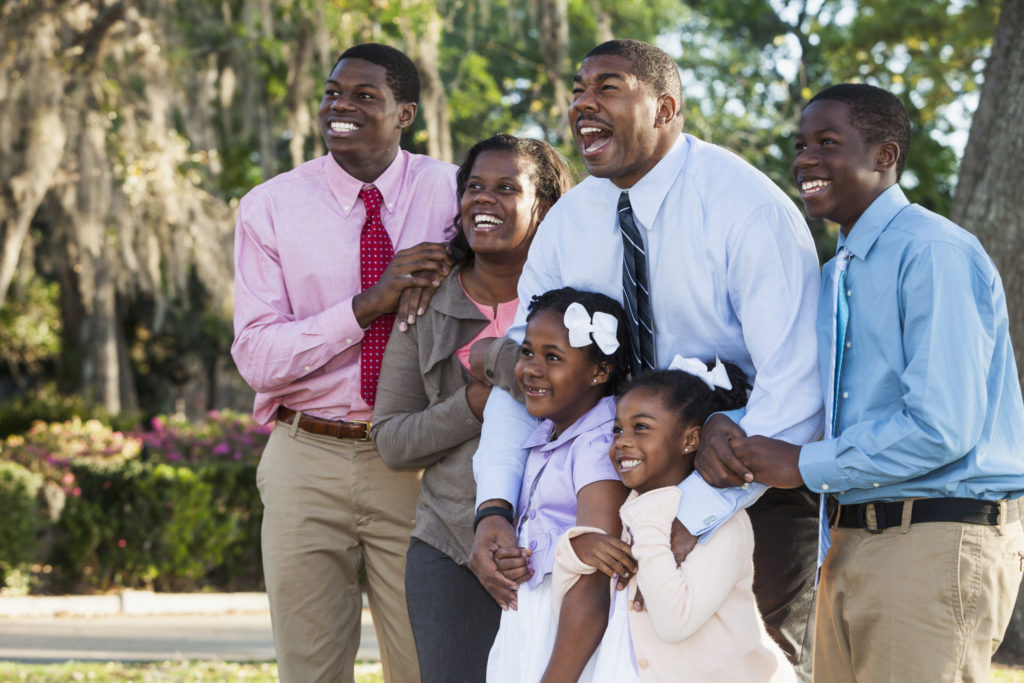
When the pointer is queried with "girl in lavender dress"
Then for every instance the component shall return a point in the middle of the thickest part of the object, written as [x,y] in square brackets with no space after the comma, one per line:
[572,361]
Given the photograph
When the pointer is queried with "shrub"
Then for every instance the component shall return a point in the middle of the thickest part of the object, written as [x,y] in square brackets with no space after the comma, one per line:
[172,508]
[18,489]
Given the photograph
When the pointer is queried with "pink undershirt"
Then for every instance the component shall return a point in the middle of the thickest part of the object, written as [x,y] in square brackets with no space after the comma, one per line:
[495,328]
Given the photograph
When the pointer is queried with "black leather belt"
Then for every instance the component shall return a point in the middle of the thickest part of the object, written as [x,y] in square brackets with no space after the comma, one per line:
[889,514]
[339,429]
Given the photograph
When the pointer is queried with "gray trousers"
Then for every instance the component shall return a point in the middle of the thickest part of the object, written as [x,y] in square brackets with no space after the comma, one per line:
[454,620]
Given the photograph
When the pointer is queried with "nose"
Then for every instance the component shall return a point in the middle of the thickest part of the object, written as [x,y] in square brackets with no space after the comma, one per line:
[342,103]
[803,159]
[584,101]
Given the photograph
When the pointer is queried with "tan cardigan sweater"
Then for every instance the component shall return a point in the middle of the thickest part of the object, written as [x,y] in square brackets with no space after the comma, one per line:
[422,419]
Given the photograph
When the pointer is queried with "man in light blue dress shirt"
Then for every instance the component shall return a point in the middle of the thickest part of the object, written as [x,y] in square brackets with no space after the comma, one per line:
[733,274]
[925,468]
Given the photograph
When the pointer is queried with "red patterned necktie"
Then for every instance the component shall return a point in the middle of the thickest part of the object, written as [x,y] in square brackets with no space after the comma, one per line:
[375,253]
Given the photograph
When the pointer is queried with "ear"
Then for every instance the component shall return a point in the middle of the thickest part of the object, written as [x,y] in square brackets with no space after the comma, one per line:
[542,210]
[886,157]
[666,111]
[602,373]
[691,439]
[406,114]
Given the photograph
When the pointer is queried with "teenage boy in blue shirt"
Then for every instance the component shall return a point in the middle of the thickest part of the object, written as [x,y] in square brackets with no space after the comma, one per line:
[924,465]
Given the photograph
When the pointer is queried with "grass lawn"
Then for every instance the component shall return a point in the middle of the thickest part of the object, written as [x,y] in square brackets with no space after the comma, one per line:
[104,672]
[107,672]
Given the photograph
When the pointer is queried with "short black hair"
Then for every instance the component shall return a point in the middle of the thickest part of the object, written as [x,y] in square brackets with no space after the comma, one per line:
[402,76]
[549,173]
[558,300]
[651,65]
[690,397]
[877,114]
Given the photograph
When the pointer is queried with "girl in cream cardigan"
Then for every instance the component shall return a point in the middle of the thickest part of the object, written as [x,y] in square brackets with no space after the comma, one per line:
[701,622]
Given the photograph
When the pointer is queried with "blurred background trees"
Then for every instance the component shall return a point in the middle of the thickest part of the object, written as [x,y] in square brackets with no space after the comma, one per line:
[129,129]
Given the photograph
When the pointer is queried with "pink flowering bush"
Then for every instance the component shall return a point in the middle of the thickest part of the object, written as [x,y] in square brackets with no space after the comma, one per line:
[170,507]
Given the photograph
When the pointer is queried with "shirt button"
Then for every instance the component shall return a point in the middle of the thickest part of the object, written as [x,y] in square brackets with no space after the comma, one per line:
[307,368]
[348,340]
[849,293]
[710,519]
[876,484]
[849,344]
[533,514]
[824,487]
[642,663]
[533,545]
[846,394]
[489,373]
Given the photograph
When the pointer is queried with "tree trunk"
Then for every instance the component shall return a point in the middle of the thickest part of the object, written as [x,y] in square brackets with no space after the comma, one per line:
[989,201]
[553,33]
[423,44]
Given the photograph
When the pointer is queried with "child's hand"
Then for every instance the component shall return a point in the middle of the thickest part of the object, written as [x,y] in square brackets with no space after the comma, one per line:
[607,554]
[514,563]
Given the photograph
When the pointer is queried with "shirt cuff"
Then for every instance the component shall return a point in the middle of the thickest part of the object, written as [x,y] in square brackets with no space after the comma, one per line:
[819,469]
[339,323]
[496,482]
[565,554]
[703,508]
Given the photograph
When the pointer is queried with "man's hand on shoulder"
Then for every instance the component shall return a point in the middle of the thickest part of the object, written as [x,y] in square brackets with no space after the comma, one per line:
[715,460]
[420,269]
[772,462]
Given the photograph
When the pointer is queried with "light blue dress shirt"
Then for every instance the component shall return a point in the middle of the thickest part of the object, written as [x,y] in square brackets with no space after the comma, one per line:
[929,399]
[733,273]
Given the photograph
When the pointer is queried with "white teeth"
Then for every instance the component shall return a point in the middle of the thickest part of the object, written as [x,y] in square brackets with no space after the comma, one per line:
[343,127]
[628,464]
[814,185]
[589,130]
[486,220]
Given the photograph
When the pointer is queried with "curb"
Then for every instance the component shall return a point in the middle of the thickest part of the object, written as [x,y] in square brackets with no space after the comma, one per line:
[131,602]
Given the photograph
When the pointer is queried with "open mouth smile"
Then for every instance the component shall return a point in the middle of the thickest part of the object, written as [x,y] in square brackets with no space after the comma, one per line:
[486,221]
[809,188]
[593,138]
[343,127]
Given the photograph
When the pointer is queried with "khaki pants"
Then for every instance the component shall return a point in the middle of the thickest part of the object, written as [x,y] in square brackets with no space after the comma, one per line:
[923,602]
[331,507]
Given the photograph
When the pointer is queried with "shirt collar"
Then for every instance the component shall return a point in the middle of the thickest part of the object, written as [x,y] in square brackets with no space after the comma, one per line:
[603,412]
[647,195]
[346,188]
[869,227]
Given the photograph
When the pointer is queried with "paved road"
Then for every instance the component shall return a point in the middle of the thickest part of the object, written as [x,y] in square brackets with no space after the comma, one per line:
[232,637]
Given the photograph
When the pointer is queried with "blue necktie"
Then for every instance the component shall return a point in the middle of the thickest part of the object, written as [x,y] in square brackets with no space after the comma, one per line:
[636,294]
[841,315]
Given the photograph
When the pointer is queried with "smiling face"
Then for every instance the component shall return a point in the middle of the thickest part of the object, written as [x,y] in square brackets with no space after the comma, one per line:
[621,126]
[838,173]
[560,383]
[650,448]
[500,210]
[360,120]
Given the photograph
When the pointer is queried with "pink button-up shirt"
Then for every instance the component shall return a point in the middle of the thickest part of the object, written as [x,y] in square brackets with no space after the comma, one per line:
[297,270]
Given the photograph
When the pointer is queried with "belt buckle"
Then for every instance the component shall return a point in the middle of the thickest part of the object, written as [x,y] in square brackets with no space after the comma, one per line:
[367,424]
[862,517]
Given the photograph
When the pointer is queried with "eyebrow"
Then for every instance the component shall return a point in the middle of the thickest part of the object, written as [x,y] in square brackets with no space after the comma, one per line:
[357,85]
[602,76]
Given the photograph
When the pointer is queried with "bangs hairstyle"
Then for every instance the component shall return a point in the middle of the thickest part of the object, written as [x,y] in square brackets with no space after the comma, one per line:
[547,170]
[558,300]
[401,74]
[651,64]
[690,397]
[877,114]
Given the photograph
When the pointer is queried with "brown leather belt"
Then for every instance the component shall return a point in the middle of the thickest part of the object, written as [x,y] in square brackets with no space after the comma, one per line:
[339,429]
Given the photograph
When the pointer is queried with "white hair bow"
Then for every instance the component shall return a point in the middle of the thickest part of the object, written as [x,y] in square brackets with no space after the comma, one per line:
[715,377]
[602,328]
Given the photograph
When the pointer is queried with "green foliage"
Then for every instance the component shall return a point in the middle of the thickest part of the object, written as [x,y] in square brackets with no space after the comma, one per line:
[18,510]
[47,404]
[174,507]
[30,326]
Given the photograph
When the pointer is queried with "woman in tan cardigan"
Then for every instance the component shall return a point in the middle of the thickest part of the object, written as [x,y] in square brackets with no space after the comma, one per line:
[429,407]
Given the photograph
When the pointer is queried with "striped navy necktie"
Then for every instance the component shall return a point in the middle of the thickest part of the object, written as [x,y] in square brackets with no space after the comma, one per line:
[636,292]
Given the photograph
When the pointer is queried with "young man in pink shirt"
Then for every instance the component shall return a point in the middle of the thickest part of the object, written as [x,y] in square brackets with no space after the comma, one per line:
[311,321]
